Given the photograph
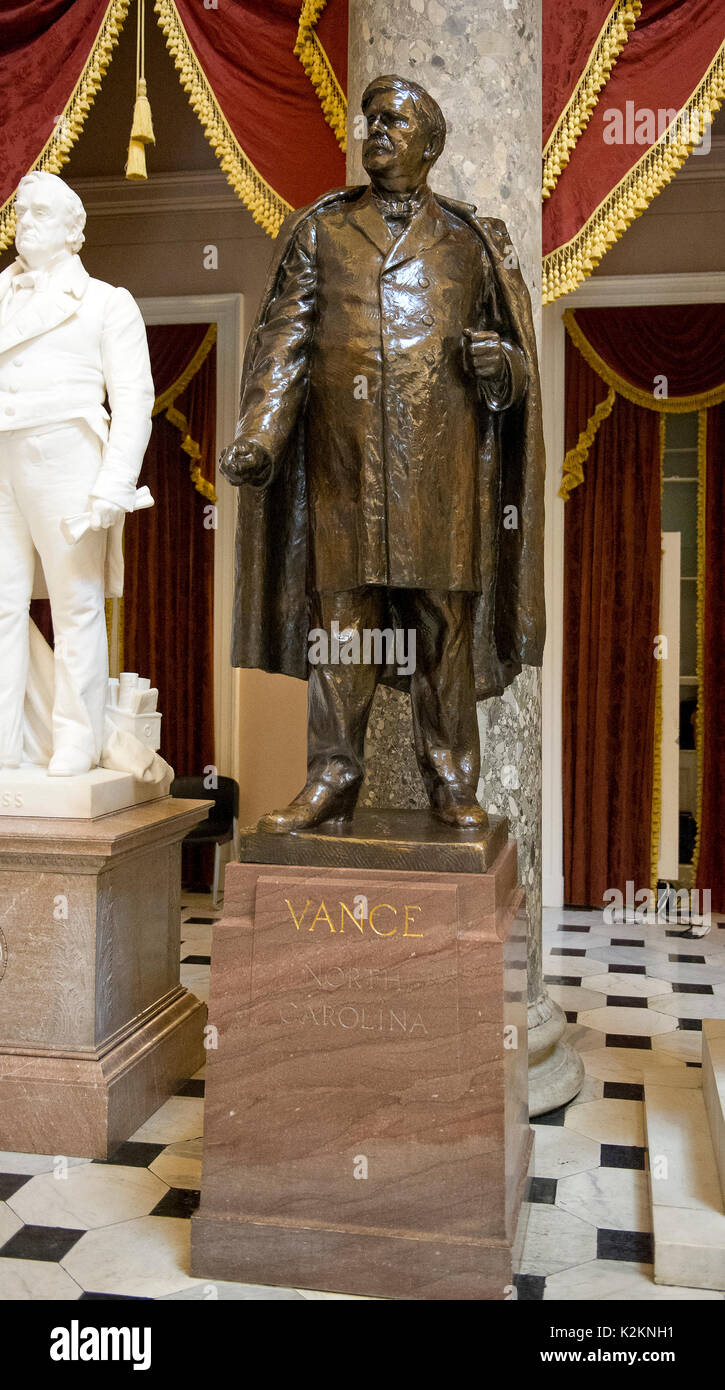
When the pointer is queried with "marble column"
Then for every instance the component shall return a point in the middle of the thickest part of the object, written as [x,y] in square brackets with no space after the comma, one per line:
[481,60]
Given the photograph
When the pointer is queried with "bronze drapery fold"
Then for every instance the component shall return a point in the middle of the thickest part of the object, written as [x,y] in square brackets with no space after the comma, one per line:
[611,619]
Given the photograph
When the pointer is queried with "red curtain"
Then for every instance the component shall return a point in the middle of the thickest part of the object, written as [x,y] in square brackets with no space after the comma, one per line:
[172,349]
[331,29]
[253,96]
[711,856]
[569,34]
[634,351]
[611,609]
[45,47]
[675,46]
[321,47]
[683,342]
[169,554]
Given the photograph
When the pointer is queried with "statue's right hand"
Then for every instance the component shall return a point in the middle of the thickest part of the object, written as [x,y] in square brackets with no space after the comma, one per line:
[246,463]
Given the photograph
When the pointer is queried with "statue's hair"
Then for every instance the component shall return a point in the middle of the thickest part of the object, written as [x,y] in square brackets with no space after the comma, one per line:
[424,104]
[73,205]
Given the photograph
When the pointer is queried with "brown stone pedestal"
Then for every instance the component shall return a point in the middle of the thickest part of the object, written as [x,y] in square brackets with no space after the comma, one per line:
[95,1029]
[366,1126]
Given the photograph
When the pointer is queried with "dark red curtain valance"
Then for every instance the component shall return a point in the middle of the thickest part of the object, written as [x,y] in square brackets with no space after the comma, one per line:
[667,358]
[683,342]
[54,54]
[252,96]
[674,60]
[172,349]
[178,353]
[580,45]
[322,50]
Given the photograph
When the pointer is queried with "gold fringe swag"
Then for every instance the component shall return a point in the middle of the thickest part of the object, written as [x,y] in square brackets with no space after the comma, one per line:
[267,207]
[56,151]
[573,465]
[574,119]
[569,265]
[320,71]
[165,403]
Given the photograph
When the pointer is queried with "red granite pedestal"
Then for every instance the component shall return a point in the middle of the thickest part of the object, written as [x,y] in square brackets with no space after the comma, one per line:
[366,1123]
[96,1031]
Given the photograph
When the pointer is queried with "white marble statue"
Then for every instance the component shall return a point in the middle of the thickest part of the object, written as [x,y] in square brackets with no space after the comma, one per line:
[67,472]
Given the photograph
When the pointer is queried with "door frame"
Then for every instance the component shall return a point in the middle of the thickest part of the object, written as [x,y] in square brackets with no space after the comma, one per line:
[227,312]
[613,291]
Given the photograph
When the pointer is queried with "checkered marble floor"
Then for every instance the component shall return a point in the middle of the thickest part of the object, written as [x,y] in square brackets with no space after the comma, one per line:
[634,996]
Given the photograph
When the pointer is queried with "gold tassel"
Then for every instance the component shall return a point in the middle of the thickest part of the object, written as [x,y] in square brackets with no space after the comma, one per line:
[142,128]
[136,162]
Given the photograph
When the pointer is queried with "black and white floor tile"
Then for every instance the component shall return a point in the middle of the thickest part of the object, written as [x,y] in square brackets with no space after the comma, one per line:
[634,998]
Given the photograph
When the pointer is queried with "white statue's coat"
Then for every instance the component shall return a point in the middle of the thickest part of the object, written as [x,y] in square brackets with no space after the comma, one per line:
[68,473]
[62,350]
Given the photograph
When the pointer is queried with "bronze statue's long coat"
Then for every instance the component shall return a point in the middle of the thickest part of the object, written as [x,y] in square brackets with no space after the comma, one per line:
[385,451]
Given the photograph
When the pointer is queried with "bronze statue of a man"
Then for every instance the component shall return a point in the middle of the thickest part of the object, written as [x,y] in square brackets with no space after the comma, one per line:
[390,441]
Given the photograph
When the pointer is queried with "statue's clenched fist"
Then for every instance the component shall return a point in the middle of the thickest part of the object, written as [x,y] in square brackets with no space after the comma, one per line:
[246,463]
[483,352]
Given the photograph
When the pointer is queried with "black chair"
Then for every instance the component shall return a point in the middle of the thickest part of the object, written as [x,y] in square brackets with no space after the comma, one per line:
[222,824]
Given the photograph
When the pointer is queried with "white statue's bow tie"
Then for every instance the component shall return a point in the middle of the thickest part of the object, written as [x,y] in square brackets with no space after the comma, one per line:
[30,280]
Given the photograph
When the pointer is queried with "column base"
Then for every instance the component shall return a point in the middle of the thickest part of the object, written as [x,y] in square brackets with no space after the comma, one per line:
[556,1071]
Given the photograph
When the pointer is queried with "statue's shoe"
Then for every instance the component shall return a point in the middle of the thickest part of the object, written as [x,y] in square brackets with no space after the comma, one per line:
[9,761]
[317,803]
[458,807]
[69,762]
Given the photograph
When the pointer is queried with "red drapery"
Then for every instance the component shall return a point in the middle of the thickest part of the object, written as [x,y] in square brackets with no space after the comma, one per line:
[168,610]
[252,95]
[172,350]
[711,843]
[685,343]
[54,54]
[674,61]
[322,50]
[580,45]
[668,358]
[654,361]
[611,609]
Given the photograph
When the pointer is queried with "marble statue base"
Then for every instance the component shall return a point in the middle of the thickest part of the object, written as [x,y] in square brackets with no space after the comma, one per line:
[28,792]
[95,1029]
[366,1125]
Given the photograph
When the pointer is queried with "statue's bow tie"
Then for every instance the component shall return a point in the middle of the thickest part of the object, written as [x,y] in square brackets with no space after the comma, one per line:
[399,209]
[30,280]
